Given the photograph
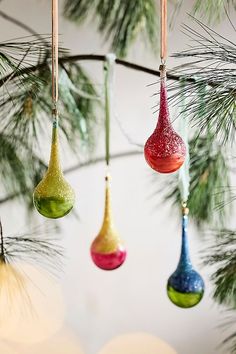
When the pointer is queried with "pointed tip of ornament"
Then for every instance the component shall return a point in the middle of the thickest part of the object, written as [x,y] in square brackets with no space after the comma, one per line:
[162,67]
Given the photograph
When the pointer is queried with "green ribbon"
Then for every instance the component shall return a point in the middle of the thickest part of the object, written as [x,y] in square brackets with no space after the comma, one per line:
[184,177]
[109,67]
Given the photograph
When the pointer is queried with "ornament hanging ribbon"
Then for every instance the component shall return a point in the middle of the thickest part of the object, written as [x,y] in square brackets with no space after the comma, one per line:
[163,8]
[55,73]
[109,72]
[184,177]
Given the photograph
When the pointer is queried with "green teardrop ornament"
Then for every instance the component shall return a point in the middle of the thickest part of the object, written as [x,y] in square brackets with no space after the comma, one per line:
[53,197]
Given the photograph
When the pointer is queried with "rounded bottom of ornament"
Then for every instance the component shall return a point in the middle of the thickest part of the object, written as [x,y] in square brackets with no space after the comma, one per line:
[166,164]
[184,300]
[109,261]
[53,207]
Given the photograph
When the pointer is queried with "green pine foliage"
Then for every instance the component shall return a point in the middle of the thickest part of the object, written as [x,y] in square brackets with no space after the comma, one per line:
[228,326]
[122,22]
[209,183]
[221,256]
[213,67]
[119,21]
[213,10]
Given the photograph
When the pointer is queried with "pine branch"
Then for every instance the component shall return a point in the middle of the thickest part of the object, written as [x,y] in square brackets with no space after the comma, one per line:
[122,21]
[229,343]
[221,256]
[94,57]
[35,248]
[118,20]
[210,190]
[213,10]
[213,61]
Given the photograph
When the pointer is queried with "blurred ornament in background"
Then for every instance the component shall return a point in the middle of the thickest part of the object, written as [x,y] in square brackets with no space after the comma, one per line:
[185,286]
[107,250]
[164,150]
[53,197]
[137,343]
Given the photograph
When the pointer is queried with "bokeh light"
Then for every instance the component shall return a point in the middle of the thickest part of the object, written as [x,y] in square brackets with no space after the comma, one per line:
[7,349]
[137,343]
[63,342]
[31,304]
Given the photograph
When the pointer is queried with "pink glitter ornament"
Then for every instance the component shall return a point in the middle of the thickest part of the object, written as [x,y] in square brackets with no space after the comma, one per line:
[107,250]
[164,150]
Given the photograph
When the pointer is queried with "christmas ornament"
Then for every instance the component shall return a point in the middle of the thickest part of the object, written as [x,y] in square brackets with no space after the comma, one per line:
[107,250]
[164,150]
[185,286]
[54,197]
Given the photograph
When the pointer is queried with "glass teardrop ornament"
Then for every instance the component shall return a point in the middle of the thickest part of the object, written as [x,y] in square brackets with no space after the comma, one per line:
[53,197]
[107,250]
[185,287]
[164,150]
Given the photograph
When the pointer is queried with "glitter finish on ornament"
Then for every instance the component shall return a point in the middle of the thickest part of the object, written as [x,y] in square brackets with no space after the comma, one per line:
[164,150]
[107,250]
[53,197]
[185,286]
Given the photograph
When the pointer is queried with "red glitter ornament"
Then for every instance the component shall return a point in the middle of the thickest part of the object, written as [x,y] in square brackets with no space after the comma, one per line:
[164,150]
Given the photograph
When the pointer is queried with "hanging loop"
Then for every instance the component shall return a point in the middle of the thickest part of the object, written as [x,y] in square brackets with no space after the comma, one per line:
[185,209]
[163,9]
[162,69]
[55,56]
